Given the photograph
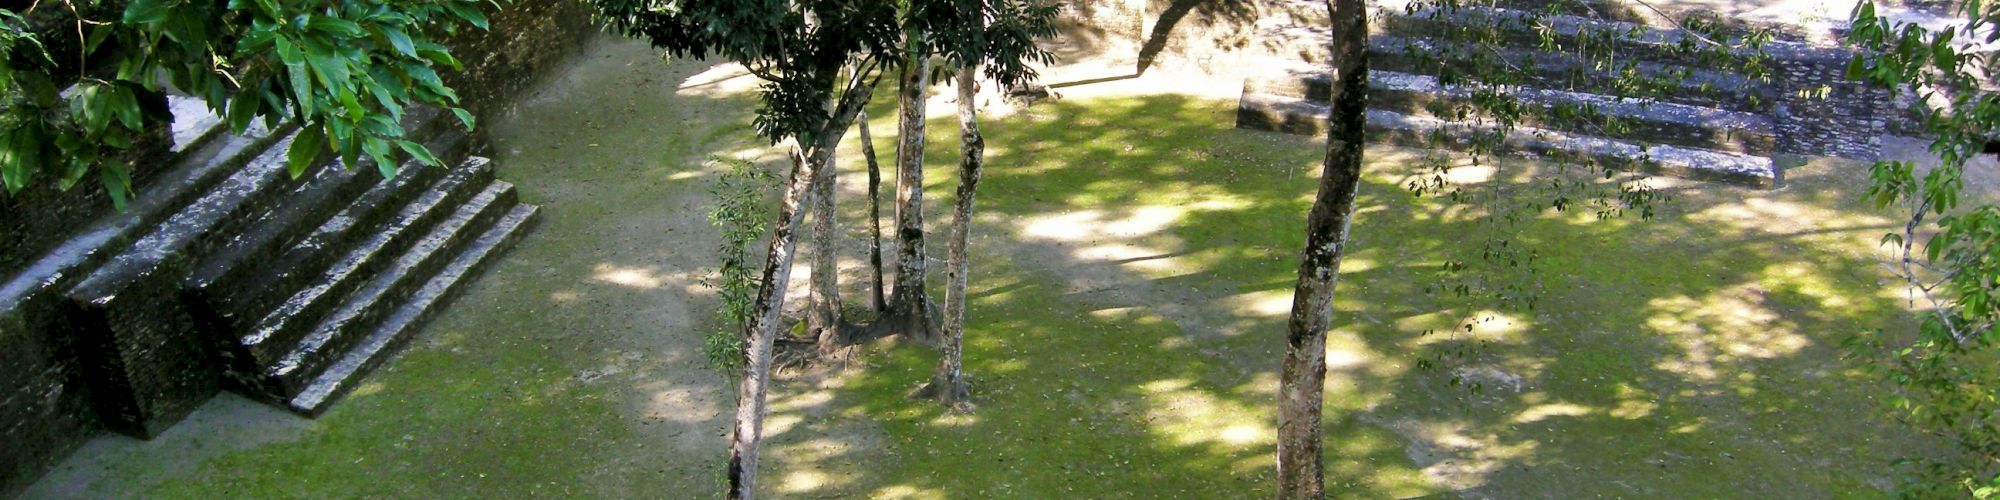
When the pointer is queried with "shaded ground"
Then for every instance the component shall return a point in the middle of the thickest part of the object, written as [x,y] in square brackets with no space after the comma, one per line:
[1135,256]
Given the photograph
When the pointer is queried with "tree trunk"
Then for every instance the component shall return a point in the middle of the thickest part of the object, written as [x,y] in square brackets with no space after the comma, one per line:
[874,211]
[823,309]
[948,383]
[1302,383]
[908,304]
[749,427]
[748,430]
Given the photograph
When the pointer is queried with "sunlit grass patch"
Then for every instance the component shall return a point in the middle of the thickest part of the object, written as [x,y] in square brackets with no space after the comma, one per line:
[1147,256]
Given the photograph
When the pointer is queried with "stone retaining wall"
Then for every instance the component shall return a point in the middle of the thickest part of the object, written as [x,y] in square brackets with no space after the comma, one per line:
[1823,113]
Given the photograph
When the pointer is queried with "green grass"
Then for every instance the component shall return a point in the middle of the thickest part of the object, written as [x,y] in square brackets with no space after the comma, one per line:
[1688,356]
[1692,355]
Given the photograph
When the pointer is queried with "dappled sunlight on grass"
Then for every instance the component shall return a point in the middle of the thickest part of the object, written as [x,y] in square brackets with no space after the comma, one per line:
[1539,412]
[1458,455]
[720,80]
[906,492]
[1186,416]
[1133,267]
[1729,325]
[628,276]
[1130,300]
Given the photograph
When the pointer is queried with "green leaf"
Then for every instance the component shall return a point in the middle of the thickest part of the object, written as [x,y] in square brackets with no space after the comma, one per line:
[423,75]
[146,11]
[331,68]
[89,107]
[439,55]
[257,39]
[400,41]
[387,79]
[39,89]
[382,95]
[352,103]
[378,150]
[97,36]
[469,11]
[295,69]
[116,139]
[381,126]
[305,149]
[464,117]
[343,140]
[242,108]
[21,157]
[127,107]
[335,26]
[421,153]
[117,183]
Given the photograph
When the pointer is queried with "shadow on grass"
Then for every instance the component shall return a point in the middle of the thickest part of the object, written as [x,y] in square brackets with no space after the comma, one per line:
[1133,266]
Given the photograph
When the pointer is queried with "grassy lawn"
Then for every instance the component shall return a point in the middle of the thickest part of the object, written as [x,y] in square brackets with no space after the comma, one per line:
[1134,265]
[1134,258]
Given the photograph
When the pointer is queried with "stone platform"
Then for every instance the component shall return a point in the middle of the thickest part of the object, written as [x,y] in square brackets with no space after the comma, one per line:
[1712,121]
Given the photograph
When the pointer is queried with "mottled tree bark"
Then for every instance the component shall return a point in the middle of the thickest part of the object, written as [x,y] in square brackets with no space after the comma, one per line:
[823,307]
[1302,383]
[908,304]
[874,212]
[748,429]
[948,382]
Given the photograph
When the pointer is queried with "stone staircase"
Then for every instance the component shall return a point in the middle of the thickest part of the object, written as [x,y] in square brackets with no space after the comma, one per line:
[1703,121]
[227,273]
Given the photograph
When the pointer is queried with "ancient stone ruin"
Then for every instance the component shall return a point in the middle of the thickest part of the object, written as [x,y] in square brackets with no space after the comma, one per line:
[1716,122]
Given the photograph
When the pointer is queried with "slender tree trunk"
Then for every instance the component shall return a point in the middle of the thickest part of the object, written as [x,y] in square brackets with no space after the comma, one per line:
[908,303]
[874,211]
[1302,384]
[823,309]
[748,431]
[948,382]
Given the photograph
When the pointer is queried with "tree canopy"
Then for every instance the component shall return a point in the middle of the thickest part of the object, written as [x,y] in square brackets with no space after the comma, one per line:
[82,79]
[1946,252]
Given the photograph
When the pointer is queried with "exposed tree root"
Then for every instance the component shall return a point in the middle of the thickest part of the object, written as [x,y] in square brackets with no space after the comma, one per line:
[961,402]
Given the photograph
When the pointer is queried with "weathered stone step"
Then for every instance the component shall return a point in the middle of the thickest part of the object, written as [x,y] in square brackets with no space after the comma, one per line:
[1667,15]
[286,321]
[1655,122]
[1563,71]
[221,285]
[126,310]
[305,207]
[203,225]
[1527,29]
[39,218]
[193,124]
[400,325]
[1302,117]
[345,327]
[192,174]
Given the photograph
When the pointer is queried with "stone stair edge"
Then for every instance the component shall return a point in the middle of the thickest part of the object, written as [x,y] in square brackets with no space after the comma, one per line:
[363,306]
[271,333]
[401,326]
[1297,116]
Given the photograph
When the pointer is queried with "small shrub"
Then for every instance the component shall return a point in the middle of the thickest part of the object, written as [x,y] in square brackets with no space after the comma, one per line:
[740,213]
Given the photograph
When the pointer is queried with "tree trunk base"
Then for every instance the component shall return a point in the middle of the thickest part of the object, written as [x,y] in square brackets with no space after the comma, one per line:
[957,399]
[924,328]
